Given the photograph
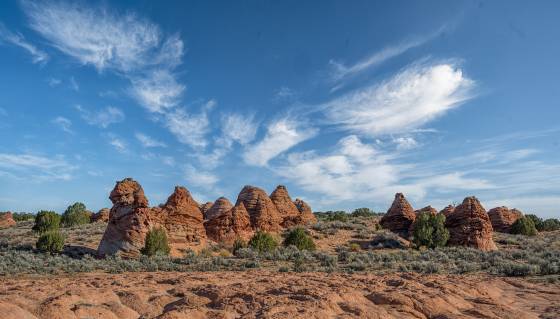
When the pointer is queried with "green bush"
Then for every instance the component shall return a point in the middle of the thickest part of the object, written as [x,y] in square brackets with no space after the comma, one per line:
[299,238]
[75,214]
[20,217]
[238,244]
[550,224]
[51,242]
[524,226]
[330,216]
[430,231]
[156,243]
[536,220]
[263,242]
[46,221]
[363,212]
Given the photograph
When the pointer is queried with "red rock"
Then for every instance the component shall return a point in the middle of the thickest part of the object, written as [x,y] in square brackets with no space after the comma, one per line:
[130,219]
[7,220]
[221,206]
[447,210]
[306,214]
[101,216]
[502,218]
[286,208]
[427,209]
[399,217]
[230,225]
[262,211]
[470,226]
[182,218]
[205,207]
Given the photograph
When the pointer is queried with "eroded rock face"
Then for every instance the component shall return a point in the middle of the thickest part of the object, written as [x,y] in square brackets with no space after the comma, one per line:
[230,225]
[502,218]
[221,206]
[130,220]
[263,213]
[306,214]
[470,226]
[182,218]
[285,206]
[427,209]
[205,207]
[7,220]
[447,210]
[101,216]
[399,217]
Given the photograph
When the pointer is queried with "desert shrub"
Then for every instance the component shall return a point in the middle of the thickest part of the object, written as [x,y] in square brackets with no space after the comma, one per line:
[299,238]
[550,224]
[20,217]
[51,242]
[263,242]
[331,216]
[238,244]
[430,231]
[156,243]
[363,212]
[46,221]
[524,226]
[536,220]
[75,214]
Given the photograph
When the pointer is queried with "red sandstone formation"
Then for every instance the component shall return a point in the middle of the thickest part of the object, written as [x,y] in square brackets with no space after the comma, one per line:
[470,226]
[230,225]
[205,207]
[101,216]
[399,217]
[447,210]
[221,206]
[502,218]
[306,214]
[262,211]
[7,220]
[427,209]
[182,218]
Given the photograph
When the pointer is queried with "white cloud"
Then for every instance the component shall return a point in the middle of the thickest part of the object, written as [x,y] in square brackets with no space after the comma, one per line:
[148,141]
[102,118]
[119,144]
[54,82]
[64,123]
[281,136]
[73,84]
[188,128]
[199,178]
[38,56]
[405,143]
[157,92]
[37,168]
[403,103]
[238,128]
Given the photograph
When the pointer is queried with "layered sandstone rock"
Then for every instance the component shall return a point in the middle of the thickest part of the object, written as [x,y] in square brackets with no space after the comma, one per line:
[448,210]
[182,218]
[399,217]
[230,225]
[285,206]
[306,214]
[7,220]
[263,213]
[428,209]
[205,207]
[502,218]
[221,206]
[101,216]
[470,226]
[130,220]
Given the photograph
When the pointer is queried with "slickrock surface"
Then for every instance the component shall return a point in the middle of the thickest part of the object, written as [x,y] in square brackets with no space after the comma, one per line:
[221,206]
[399,217]
[230,225]
[130,220]
[266,294]
[502,218]
[7,220]
[469,225]
[448,210]
[101,216]
[182,218]
[262,211]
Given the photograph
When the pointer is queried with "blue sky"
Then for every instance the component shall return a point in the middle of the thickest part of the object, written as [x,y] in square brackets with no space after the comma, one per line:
[345,103]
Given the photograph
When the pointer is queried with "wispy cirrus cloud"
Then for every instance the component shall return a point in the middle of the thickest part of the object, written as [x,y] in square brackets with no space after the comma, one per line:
[418,94]
[148,141]
[36,168]
[190,128]
[64,124]
[17,39]
[281,135]
[103,117]
[117,143]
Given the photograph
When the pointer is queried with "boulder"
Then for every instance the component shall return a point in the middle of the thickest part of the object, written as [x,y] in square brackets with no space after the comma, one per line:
[262,211]
[502,218]
[183,221]
[130,219]
[221,206]
[205,207]
[399,217]
[306,214]
[101,216]
[7,220]
[427,209]
[285,206]
[230,225]
[469,225]
[447,210]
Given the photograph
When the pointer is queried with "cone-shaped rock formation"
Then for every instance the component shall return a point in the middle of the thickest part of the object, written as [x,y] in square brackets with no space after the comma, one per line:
[230,225]
[306,214]
[221,205]
[7,220]
[399,217]
[448,210]
[469,225]
[262,211]
[205,207]
[427,209]
[502,218]
[101,216]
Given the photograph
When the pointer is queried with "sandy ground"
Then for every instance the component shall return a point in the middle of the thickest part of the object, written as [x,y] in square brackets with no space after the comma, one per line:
[266,294]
